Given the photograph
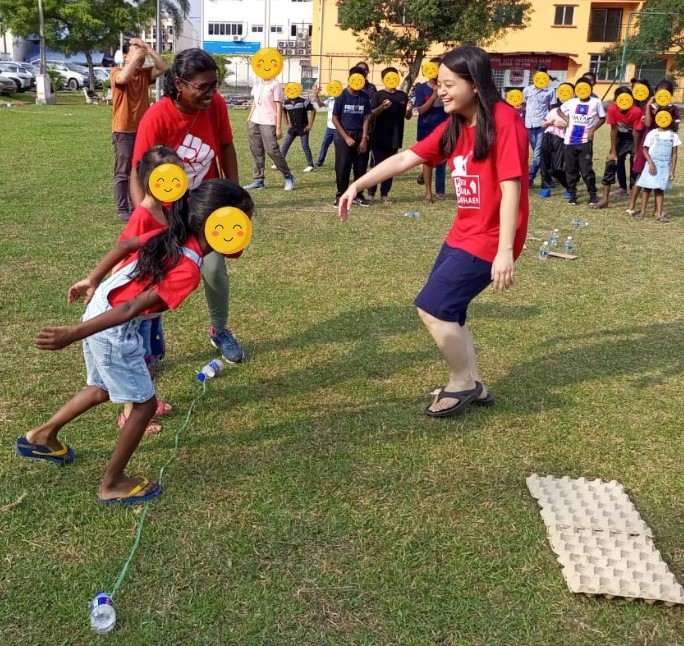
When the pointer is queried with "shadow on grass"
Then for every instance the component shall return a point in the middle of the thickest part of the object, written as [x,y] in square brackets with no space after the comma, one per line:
[650,354]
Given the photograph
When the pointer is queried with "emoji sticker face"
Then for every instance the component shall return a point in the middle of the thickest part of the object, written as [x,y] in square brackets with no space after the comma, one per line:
[514,98]
[430,70]
[334,89]
[663,118]
[583,90]
[391,80]
[640,92]
[565,92]
[356,82]
[168,183]
[267,63]
[625,101]
[293,90]
[541,80]
[228,230]
[663,98]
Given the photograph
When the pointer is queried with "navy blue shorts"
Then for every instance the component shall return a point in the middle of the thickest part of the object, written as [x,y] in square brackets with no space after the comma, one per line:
[456,278]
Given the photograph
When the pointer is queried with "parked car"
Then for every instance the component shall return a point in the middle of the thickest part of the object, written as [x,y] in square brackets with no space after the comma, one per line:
[101,76]
[27,67]
[75,76]
[7,86]
[22,80]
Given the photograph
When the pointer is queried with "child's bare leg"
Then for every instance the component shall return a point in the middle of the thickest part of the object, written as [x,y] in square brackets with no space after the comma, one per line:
[644,200]
[427,179]
[115,483]
[605,198]
[46,434]
[634,196]
[659,203]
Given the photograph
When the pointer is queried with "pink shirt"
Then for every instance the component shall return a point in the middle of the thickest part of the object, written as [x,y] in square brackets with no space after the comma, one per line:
[553,124]
[268,97]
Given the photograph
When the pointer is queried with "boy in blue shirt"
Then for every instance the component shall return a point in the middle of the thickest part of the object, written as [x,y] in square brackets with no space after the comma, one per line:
[351,118]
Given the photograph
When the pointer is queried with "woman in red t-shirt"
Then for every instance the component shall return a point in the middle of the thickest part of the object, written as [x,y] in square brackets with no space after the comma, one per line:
[485,144]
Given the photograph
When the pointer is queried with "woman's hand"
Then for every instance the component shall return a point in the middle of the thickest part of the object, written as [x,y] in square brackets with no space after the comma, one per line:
[84,288]
[346,200]
[503,271]
[54,338]
[652,168]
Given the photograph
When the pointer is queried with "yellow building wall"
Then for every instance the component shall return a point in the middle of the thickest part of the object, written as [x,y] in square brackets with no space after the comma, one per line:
[338,50]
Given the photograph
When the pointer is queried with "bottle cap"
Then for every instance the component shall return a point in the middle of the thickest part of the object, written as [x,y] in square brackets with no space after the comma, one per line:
[201,376]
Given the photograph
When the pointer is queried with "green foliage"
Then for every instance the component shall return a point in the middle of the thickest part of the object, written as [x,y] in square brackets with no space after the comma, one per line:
[222,61]
[406,29]
[659,28]
[56,80]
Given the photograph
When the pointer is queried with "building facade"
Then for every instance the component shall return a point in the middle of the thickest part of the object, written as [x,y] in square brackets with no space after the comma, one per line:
[238,28]
[569,37]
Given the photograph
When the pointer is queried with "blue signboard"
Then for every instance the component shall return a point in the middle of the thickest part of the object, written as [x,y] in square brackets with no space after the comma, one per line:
[230,47]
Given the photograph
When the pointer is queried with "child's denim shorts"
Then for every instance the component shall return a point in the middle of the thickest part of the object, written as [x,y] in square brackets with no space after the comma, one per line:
[115,362]
[456,278]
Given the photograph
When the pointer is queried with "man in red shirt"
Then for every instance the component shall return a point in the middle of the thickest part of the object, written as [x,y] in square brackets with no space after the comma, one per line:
[130,100]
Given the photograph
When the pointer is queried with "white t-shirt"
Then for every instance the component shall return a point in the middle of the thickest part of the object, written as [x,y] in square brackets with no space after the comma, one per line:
[663,135]
[330,104]
[582,116]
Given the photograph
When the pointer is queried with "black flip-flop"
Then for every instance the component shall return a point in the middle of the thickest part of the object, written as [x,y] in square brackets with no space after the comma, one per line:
[465,397]
[487,401]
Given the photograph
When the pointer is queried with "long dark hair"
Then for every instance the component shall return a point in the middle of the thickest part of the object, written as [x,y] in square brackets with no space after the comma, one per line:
[186,64]
[155,156]
[472,64]
[161,253]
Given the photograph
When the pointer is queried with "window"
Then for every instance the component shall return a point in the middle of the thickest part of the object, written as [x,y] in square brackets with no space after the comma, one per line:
[599,65]
[564,15]
[225,28]
[257,29]
[293,31]
[605,25]
[276,29]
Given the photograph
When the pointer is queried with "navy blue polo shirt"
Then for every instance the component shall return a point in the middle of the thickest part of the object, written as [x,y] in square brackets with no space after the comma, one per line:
[350,109]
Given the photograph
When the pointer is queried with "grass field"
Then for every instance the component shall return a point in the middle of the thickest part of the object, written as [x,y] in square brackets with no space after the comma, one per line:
[311,501]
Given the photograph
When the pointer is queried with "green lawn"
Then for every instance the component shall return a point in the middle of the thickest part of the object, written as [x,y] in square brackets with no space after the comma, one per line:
[311,501]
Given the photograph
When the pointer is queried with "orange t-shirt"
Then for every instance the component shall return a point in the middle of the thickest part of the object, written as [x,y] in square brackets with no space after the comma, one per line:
[130,101]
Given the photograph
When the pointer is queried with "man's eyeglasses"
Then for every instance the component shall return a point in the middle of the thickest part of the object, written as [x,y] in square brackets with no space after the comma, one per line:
[205,88]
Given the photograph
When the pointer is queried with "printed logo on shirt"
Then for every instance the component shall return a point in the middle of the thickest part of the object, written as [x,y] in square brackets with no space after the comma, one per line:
[467,186]
[352,108]
[197,157]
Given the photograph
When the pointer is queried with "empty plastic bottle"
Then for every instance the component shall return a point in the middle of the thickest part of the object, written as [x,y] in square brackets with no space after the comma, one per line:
[568,246]
[412,214]
[578,224]
[210,370]
[102,613]
[544,250]
[553,240]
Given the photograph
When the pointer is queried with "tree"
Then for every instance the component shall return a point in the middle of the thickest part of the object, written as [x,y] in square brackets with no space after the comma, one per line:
[405,30]
[659,28]
[81,26]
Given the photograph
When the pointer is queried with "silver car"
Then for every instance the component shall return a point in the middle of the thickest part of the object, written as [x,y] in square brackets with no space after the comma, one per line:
[22,80]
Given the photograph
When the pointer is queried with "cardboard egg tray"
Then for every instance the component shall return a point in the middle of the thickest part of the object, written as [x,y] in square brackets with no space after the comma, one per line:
[603,544]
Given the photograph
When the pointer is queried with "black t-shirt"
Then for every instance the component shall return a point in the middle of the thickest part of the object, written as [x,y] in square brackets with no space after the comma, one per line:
[296,110]
[389,124]
[351,109]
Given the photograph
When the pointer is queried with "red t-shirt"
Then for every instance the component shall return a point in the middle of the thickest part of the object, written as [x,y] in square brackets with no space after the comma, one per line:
[174,288]
[477,182]
[140,222]
[197,138]
[633,119]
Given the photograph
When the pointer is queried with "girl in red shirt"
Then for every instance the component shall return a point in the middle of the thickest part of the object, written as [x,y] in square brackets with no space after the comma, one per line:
[160,270]
[149,216]
[485,144]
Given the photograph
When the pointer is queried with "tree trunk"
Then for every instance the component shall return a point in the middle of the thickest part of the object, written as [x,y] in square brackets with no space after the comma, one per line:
[91,74]
[413,71]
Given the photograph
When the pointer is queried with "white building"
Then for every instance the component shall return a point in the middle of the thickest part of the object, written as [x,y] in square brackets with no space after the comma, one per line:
[238,28]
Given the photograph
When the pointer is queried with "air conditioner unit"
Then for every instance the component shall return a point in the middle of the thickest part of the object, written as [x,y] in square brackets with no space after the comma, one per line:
[282,44]
[289,52]
[304,33]
[238,37]
[292,43]
[301,52]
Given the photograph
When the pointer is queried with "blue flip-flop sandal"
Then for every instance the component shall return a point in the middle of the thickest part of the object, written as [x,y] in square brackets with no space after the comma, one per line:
[134,496]
[64,455]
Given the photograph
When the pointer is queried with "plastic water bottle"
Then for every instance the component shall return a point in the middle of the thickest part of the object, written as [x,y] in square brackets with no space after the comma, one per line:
[102,613]
[578,224]
[553,241]
[544,250]
[568,246]
[412,214]
[210,370]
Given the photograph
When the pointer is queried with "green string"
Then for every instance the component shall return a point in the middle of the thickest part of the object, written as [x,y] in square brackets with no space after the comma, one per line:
[141,522]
